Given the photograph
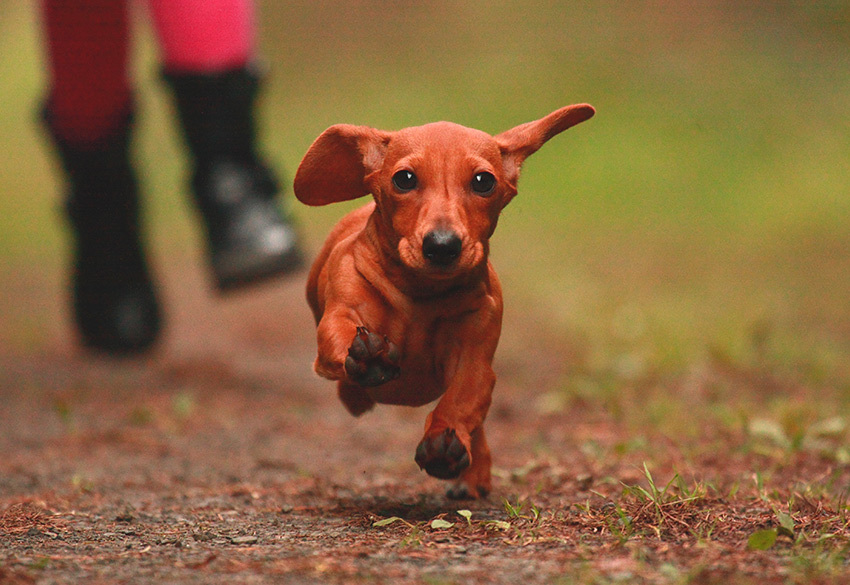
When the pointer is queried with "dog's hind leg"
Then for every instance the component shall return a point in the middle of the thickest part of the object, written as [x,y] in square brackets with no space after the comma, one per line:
[355,398]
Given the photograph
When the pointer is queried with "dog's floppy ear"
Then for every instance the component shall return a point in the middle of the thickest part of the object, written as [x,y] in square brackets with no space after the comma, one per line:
[337,163]
[522,141]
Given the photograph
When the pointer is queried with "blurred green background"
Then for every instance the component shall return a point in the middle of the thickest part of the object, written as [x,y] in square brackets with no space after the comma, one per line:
[704,207]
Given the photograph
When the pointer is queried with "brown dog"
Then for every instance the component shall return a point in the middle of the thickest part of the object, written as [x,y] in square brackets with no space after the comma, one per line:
[407,305]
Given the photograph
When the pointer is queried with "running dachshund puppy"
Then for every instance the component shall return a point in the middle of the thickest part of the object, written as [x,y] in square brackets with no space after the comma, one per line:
[407,305]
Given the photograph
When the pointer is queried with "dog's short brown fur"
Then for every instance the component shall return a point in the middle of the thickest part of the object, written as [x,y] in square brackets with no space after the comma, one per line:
[407,305]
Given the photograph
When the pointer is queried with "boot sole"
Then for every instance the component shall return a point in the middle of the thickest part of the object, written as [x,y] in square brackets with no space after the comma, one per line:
[248,271]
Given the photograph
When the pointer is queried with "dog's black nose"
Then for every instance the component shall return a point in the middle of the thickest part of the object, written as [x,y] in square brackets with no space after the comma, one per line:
[441,247]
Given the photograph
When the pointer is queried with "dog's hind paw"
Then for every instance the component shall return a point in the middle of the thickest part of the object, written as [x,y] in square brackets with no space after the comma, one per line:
[462,491]
[372,359]
[442,455]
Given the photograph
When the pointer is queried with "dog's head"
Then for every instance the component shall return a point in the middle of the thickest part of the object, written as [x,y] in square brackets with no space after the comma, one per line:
[438,188]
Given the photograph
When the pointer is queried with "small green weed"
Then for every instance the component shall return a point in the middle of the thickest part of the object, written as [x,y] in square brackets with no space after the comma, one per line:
[521,510]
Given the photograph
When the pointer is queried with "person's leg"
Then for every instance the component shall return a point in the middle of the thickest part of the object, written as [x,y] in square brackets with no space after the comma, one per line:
[87,47]
[209,59]
[88,112]
[204,36]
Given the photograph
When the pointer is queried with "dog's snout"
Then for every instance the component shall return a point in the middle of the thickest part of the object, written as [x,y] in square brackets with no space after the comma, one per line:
[441,247]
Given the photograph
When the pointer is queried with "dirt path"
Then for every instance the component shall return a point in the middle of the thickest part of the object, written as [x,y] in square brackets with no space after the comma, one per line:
[224,459]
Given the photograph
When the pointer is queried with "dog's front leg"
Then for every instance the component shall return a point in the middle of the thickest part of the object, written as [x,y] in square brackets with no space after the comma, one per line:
[335,332]
[355,356]
[454,445]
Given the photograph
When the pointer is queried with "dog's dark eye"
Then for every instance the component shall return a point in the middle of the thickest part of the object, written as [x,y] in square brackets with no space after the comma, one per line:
[483,183]
[404,181]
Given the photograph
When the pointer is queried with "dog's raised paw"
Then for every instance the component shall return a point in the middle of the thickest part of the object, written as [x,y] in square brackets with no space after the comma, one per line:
[442,455]
[372,359]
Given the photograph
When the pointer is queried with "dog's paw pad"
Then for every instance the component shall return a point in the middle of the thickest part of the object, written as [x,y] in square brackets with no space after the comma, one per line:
[442,455]
[372,359]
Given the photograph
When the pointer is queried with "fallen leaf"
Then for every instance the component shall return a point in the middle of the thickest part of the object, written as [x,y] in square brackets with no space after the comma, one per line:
[386,521]
[762,539]
[786,524]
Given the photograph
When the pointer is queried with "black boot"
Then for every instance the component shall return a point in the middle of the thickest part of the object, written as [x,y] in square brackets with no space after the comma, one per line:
[248,237]
[114,302]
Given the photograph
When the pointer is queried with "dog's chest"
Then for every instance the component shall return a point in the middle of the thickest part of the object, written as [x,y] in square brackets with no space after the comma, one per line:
[429,340]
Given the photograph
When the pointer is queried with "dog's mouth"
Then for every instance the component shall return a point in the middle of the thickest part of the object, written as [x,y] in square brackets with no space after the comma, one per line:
[441,255]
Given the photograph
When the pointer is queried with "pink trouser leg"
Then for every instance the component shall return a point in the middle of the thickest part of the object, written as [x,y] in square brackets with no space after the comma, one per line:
[87,50]
[204,36]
